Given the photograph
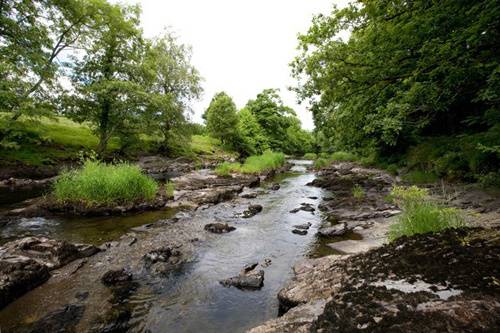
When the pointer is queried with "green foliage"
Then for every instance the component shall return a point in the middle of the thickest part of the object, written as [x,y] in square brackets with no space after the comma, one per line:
[97,184]
[170,83]
[169,189]
[358,192]
[321,163]
[222,119]
[342,156]
[225,169]
[279,124]
[410,70]
[253,165]
[420,177]
[421,214]
[310,156]
[252,135]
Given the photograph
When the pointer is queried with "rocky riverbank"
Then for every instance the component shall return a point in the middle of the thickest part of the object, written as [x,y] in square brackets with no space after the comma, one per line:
[70,276]
[446,282]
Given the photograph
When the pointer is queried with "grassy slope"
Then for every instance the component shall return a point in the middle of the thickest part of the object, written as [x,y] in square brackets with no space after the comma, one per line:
[60,138]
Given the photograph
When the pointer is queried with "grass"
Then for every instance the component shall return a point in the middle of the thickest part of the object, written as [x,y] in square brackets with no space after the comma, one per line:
[209,147]
[310,156]
[170,189]
[358,192]
[420,177]
[421,214]
[100,184]
[49,139]
[253,165]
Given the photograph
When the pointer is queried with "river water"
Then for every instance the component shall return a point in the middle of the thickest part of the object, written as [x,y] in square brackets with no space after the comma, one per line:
[192,299]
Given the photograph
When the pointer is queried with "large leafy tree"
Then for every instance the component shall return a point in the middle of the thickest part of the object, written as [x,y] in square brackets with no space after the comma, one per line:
[222,119]
[409,68]
[34,34]
[107,79]
[171,82]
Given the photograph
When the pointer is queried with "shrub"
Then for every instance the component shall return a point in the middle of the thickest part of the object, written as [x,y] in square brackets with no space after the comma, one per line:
[358,192]
[421,214]
[420,177]
[310,156]
[97,184]
[343,156]
[253,165]
[321,163]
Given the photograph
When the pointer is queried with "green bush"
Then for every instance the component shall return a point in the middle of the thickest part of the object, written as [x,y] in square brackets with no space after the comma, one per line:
[343,156]
[97,184]
[253,165]
[321,163]
[310,156]
[421,214]
[420,177]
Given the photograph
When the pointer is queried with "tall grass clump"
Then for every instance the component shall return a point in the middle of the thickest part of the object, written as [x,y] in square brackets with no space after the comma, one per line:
[358,192]
[225,169]
[420,177]
[253,165]
[99,184]
[421,214]
[321,163]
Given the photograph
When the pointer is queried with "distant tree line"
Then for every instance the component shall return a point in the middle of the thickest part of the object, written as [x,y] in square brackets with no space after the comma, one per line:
[264,123]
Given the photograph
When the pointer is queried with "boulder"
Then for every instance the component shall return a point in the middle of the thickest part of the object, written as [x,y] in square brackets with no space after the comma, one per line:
[252,211]
[304,226]
[219,228]
[336,230]
[275,187]
[249,278]
[116,277]
[18,275]
[299,232]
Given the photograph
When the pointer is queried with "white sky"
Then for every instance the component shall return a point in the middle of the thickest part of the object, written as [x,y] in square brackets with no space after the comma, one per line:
[240,47]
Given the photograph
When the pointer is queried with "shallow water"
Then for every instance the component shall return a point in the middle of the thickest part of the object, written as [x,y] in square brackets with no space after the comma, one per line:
[192,299]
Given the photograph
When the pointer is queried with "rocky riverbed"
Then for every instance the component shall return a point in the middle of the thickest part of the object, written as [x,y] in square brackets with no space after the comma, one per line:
[447,282]
[221,262]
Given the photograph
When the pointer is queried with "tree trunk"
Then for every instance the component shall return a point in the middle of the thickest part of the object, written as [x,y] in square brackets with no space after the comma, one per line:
[104,128]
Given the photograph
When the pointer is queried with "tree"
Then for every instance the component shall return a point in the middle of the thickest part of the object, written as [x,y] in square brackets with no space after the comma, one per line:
[409,69]
[222,119]
[172,83]
[33,36]
[107,79]
[253,138]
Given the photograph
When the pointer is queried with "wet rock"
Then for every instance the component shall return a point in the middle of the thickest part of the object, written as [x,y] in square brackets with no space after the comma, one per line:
[336,230]
[247,279]
[275,187]
[219,228]
[161,261]
[18,275]
[249,267]
[49,252]
[116,277]
[298,319]
[312,198]
[352,246]
[299,232]
[307,207]
[249,195]
[267,263]
[304,226]
[252,211]
[59,321]
[115,320]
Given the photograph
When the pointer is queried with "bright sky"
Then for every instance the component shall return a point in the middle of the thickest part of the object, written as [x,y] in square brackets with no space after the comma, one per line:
[240,47]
